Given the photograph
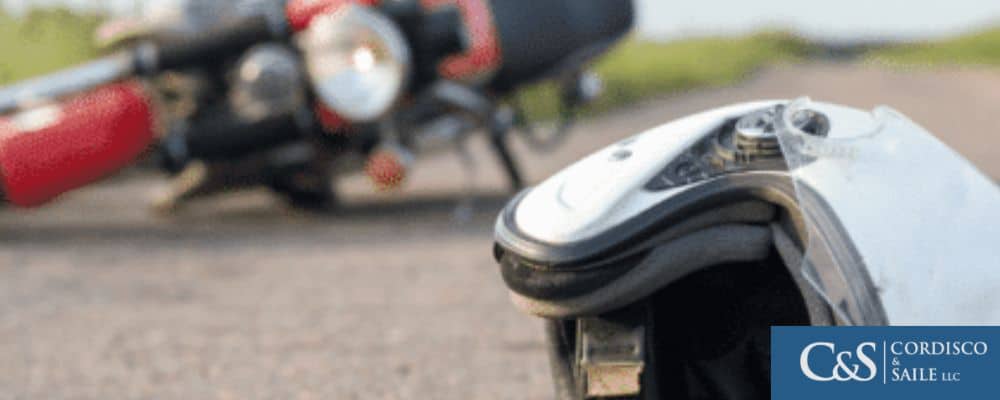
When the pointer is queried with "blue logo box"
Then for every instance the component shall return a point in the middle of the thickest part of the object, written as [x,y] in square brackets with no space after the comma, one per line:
[859,363]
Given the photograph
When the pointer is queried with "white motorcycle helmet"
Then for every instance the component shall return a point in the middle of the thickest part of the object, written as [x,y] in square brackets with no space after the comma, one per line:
[662,261]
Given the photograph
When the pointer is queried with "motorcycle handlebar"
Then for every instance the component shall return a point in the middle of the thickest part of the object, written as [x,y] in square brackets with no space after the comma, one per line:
[144,59]
[67,82]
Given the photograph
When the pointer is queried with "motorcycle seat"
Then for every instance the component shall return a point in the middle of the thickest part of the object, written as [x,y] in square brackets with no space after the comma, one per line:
[541,38]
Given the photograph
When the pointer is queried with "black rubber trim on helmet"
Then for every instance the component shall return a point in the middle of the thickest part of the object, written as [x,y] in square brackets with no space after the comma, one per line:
[667,263]
[561,283]
[772,187]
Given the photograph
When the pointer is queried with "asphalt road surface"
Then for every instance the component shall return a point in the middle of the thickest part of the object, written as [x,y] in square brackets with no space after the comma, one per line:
[393,297]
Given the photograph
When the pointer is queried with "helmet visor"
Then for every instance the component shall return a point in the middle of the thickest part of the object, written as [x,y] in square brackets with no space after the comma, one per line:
[895,219]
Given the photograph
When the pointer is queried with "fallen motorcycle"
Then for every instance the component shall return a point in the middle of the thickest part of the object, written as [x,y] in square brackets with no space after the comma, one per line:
[661,262]
[291,102]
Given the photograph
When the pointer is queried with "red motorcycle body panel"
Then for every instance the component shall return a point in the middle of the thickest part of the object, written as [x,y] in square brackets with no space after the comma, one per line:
[329,119]
[483,57]
[50,150]
[301,12]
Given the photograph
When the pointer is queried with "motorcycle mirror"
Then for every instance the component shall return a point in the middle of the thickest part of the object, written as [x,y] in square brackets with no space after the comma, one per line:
[582,89]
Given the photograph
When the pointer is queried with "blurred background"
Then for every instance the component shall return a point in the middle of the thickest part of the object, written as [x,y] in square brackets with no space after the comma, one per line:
[395,295]
[678,46]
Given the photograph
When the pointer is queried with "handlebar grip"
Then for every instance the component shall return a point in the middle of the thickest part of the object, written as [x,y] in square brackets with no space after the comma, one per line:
[233,38]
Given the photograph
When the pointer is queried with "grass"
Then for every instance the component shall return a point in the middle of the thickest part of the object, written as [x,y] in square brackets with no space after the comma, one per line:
[638,69]
[980,48]
[43,41]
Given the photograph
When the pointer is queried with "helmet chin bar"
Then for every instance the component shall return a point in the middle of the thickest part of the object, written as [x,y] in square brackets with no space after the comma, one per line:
[611,331]
[757,220]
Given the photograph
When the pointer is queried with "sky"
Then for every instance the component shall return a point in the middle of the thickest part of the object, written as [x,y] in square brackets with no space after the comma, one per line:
[832,20]
[836,20]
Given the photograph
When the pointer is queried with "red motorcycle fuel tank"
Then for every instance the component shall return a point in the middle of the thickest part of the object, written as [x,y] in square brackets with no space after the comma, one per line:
[49,150]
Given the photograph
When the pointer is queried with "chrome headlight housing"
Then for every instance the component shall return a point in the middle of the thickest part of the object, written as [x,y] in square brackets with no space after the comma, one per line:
[358,61]
[268,81]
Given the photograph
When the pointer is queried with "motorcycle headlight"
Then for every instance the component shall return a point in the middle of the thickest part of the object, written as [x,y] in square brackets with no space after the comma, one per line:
[358,61]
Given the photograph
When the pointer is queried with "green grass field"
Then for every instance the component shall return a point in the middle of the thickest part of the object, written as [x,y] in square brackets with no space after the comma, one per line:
[43,41]
[980,48]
